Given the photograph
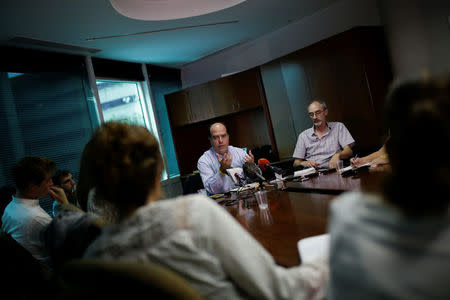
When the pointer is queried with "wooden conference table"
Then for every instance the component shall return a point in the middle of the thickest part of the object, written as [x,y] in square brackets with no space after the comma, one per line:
[296,211]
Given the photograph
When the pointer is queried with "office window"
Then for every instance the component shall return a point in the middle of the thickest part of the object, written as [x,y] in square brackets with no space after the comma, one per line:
[44,114]
[121,101]
[127,101]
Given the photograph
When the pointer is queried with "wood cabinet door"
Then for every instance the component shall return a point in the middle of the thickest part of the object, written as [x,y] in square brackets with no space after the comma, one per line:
[178,108]
[223,96]
[200,101]
[246,90]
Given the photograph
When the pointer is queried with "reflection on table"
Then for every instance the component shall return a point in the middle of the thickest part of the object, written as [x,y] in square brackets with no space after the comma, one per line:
[299,211]
[290,217]
[334,183]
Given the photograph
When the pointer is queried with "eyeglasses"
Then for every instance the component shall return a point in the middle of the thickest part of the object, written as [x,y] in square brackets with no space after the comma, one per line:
[316,113]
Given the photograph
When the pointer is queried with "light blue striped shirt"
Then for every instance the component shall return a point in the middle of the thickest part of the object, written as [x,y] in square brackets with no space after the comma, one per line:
[208,166]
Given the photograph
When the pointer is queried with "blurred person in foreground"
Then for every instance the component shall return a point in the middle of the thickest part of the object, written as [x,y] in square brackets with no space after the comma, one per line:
[396,244]
[191,235]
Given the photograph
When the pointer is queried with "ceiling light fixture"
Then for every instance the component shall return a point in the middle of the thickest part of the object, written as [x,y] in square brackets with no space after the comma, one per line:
[157,10]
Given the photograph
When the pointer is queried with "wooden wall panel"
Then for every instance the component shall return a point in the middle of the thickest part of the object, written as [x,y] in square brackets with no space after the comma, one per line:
[246,129]
[350,72]
[236,100]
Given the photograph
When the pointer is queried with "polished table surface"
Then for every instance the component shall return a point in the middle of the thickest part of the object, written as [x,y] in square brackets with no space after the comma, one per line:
[334,183]
[294,213]
[290,217]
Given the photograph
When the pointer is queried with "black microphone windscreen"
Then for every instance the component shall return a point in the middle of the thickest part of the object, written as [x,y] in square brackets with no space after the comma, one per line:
[252,171]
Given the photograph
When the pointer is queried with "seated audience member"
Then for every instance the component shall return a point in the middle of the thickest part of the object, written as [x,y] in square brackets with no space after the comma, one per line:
[191,235]
[69,233]
[323,145]
[23,218]
[213,163]
[63,179]
[6,194]
[376,158]
[396,245]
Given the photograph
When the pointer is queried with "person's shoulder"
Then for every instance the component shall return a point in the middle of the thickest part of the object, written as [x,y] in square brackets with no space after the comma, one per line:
[336,125]
[308,131]
[205,155]
[232,148]
[194,200]
[346,205]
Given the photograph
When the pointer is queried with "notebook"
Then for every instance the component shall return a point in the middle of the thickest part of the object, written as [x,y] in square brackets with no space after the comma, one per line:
[300,173]
[351,168]
[314,247]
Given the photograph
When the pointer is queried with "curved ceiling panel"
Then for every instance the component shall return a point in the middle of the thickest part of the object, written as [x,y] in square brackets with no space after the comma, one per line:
[156,10]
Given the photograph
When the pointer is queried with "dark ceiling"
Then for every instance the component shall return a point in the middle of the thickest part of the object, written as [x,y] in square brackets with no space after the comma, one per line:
[94,27]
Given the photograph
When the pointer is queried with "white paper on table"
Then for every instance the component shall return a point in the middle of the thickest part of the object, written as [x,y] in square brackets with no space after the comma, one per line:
[248,186]
[305,172]
[314,247]
[352,168]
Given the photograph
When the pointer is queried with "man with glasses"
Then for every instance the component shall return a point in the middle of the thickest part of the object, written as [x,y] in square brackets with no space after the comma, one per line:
[323,145]
[63,179]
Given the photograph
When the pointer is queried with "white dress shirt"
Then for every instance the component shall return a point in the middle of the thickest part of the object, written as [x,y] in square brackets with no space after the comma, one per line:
[25,221]
[208,166]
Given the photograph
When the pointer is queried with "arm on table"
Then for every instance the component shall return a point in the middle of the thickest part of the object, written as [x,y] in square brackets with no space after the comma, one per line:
[344,154]
[252,268]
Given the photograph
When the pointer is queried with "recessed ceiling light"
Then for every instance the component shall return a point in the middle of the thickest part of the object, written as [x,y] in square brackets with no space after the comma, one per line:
[156,10]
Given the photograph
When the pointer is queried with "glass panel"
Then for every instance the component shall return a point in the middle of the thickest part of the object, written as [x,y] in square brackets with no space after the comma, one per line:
[129,102]
[120,101]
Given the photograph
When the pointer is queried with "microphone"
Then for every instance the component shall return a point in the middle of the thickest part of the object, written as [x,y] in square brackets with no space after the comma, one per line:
[239,179]
[264,165]
[252,171]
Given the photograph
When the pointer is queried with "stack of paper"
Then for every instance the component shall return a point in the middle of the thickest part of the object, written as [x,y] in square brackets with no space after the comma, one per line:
[314,247]
[248,186]
[305,172]
[301,173]
[352,168]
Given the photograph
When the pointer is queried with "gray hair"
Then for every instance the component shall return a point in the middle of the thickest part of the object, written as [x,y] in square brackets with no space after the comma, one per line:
[322,103]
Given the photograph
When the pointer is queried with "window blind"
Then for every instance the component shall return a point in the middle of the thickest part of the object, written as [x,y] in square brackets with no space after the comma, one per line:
[48,114]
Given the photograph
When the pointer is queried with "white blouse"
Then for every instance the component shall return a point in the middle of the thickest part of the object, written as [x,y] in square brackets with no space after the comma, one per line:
[199,240]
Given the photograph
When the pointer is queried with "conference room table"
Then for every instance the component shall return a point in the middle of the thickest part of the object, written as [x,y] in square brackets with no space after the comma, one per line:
[296,210]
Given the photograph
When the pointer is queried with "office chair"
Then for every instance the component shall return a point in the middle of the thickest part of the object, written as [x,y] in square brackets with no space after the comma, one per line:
[23,275]
[191,183]
[101,279]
